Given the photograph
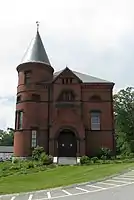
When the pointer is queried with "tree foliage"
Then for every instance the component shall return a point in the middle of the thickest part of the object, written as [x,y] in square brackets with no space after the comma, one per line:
[124,120]
[6,137]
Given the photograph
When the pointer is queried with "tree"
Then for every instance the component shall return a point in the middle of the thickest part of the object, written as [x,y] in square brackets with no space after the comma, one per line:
[6,137]
[124,120]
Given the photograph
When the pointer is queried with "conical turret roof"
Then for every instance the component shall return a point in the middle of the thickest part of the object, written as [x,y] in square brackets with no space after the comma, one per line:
[36,52]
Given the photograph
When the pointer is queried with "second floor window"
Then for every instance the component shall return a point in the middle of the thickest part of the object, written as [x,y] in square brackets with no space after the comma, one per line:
[67,96]
[27,77]
[95,121]
[18,98]
[20,119]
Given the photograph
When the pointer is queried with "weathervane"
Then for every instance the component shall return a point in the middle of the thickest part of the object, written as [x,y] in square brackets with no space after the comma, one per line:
[38,23]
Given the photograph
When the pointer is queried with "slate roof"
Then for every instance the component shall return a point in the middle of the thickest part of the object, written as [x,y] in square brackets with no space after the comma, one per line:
[85,78]
[36,51]
[6,149]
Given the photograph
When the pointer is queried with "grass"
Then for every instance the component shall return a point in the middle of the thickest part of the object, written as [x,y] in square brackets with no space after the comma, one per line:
[59,176]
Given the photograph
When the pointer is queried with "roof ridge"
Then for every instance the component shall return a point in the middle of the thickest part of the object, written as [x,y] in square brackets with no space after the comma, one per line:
[86,78]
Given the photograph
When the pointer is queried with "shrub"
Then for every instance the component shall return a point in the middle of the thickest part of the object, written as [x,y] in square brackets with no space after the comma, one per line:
[15,167]
[15,160]
[131,155]
[94,159]
[46,159]
[104,151]
[84,160]
[29,165]
[36,154]
[103,157]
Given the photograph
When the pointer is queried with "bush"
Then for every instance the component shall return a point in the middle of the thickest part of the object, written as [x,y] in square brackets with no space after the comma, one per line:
[36,154]
[103,157]
[104,151]
[84,160]
[15,160]
[15,167]
[45,159]
[131,155]
[94,159]
[29,165]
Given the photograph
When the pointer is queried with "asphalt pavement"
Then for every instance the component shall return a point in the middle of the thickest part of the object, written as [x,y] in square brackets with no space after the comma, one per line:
[120,187]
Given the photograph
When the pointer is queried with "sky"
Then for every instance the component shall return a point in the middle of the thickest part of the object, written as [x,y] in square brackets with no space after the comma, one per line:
[91,36]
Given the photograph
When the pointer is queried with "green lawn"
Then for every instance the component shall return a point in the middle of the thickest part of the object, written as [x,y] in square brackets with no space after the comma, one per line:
[58,177]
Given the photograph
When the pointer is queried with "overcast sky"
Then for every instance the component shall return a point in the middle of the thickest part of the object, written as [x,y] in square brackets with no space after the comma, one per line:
[91,36]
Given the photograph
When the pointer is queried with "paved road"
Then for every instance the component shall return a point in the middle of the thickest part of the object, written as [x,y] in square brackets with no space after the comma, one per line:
[117,188]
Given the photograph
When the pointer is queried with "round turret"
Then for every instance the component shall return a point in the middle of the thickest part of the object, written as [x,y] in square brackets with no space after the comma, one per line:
[32,98]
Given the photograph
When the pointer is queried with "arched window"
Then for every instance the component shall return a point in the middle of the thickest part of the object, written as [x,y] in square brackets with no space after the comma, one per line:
[95,98]
[67,95]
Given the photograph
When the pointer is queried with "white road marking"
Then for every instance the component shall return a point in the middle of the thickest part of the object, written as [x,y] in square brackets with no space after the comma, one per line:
[125,178]
[129,176]
[30,197]
[89,191]
[12,198]
[66,192]
[97,187]
[49,195]
[84,190]
[109,184]
[117,181]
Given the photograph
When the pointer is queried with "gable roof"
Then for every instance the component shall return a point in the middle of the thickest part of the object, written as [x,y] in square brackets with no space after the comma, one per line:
[56,74]
[85,78]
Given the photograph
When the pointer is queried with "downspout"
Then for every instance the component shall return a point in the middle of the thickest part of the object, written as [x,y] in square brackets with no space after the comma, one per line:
[81,100]
[48,118]
[113,127]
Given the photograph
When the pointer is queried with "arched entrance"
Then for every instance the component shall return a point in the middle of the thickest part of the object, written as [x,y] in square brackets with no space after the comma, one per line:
[67,144]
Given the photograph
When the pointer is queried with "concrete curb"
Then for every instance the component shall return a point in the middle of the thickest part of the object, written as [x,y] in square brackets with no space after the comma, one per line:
[70,186]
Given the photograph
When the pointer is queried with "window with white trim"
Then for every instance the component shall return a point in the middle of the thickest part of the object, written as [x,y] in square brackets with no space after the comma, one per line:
[34,138]
[95,120]
[20,120]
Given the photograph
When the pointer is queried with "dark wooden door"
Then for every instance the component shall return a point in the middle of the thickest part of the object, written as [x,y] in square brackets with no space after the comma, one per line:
[67,144]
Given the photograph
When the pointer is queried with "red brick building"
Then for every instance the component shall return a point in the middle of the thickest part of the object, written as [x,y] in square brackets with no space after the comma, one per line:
[67,112]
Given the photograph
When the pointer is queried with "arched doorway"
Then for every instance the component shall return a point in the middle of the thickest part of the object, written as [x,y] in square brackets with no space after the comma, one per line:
[67,144]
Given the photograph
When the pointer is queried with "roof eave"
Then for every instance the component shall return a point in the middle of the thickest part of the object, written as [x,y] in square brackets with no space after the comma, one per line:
[100,83]
[35,62]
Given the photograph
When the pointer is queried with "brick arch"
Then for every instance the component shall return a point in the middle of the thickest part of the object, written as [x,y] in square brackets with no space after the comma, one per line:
[72,129]
[95,98]
[66,95]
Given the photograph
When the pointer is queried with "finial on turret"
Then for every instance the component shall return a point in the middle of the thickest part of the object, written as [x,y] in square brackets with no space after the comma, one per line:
[66,67]
[38,23]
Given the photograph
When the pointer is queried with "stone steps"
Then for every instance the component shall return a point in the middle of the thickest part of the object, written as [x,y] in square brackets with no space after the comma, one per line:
[67,160]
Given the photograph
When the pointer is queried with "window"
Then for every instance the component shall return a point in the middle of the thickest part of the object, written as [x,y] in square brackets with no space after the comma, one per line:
[20,119]
[95,120]
[35,97]
[18,98]
[27,77]
[67,96]
[34,138]
[67,80]
[15,120]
